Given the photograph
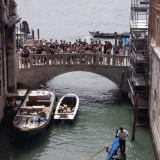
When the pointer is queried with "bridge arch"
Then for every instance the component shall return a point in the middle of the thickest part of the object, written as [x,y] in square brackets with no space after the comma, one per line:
[40,75]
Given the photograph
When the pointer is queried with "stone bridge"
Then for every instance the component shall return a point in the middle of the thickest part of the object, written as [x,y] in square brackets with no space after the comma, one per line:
[39,68]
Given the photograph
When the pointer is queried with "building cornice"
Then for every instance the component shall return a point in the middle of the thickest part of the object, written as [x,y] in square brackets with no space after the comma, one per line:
[13,21]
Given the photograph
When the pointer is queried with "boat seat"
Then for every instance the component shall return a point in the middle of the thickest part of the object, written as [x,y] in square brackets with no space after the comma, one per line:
[65,107]
[39,102]
[68,109]
[30,110]
[64,111]
[32,99]
[44,112]
[44,102]
[60,110]
[23,111]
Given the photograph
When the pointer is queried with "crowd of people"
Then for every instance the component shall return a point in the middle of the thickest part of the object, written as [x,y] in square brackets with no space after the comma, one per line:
[63,47]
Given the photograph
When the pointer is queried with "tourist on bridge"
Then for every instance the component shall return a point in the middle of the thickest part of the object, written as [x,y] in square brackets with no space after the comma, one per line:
[100,47]
[109,46]
[121,53]
[108,57]
[105,47]
[56,44]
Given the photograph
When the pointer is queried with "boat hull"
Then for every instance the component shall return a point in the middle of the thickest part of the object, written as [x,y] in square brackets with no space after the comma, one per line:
[31,133]
[28,134]
[34,115]
[58,121]
[66,109]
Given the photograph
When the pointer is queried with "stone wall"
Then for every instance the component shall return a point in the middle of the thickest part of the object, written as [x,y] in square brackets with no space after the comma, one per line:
[8,19]
[154,110]
[35,76]
[154,50]
[3,69]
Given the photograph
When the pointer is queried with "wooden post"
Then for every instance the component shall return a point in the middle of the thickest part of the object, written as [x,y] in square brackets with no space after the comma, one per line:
[135,116]
[32,34]
[17,38]
[116,38]
[38,33]
[20,33]
[20,27]
[24,39]
[120,88]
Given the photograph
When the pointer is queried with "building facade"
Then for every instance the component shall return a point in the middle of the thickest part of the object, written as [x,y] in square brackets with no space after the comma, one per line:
[8,20]
[154,50]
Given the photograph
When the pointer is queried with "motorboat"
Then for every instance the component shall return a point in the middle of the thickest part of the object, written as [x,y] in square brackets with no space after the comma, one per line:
[109,35]
[35,113]
[67,108]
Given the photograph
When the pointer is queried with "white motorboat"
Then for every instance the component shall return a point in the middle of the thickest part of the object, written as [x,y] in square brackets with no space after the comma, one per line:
[67,108]
[35,113]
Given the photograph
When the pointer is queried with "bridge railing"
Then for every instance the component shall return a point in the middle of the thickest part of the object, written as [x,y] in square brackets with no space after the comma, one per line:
[36,60]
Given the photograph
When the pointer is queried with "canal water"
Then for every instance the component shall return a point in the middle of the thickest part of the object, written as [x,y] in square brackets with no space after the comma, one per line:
[99,114]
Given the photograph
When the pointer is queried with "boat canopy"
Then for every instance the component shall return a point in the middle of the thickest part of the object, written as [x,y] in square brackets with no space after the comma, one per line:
[113,149]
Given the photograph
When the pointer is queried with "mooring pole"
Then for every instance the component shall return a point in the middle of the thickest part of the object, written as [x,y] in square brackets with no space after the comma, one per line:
[20,34]
[135,117]
[116,38]
[120,88]
[38,33]
[32,34]
[17,38]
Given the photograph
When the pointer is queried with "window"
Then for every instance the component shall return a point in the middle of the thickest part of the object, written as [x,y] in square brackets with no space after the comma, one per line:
[5,2]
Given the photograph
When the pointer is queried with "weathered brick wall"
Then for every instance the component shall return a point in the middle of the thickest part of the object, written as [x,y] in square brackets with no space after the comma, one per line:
[11,60]
[157,2]
[4,44]
[155,12]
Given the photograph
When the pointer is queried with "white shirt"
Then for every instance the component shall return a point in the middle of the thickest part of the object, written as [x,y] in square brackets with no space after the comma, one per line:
[61,51]
[121,52]
[68,50]
[122,135]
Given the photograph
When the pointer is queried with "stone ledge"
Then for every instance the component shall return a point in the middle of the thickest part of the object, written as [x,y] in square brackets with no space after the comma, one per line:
[19,95]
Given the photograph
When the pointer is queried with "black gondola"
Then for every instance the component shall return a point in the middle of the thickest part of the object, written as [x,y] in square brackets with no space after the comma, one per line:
[110,35]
